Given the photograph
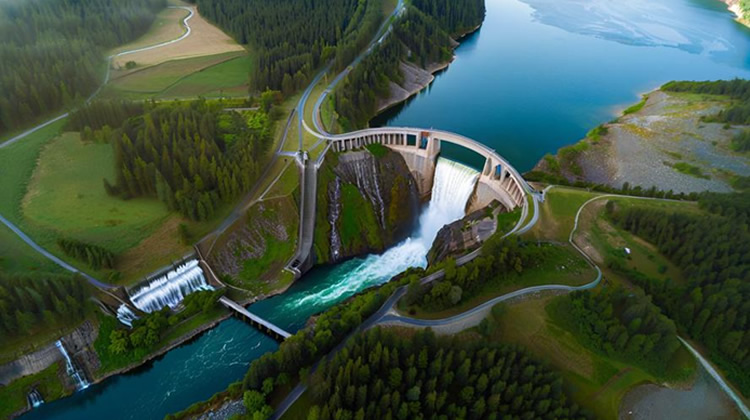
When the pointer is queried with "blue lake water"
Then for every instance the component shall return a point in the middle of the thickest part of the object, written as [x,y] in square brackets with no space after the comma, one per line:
[536,76]
[540,73]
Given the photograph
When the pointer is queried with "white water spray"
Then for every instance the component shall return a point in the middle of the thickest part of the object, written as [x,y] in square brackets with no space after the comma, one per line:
[73,372]
[171,288]
[451,189]
[125,315]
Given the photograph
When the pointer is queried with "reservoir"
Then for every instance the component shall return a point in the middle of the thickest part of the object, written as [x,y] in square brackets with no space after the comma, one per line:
[535,77]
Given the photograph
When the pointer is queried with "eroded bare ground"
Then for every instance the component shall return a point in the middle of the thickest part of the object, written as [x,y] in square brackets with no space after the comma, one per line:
[643,148]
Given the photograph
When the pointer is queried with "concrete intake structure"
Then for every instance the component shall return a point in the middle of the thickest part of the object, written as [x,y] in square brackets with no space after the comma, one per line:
[420,149]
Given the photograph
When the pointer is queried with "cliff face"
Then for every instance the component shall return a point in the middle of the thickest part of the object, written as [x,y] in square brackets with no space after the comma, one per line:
[463,235]
[367,201]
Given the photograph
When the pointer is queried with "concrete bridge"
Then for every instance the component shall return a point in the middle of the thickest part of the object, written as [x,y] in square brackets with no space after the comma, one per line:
[255,320]
[420,149]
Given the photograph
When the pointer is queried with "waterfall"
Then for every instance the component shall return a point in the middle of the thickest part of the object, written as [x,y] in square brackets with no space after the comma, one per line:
[171,288]
[125,315]
[78,377]
[451,189]
[35,398]
[333,217]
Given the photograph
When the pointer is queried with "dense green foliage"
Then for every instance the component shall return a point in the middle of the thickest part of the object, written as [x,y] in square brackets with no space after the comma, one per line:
[713,251]
[501,259]
[95,256]
[741,141]
[383,375]
[30,301]
[622,324]
[118,346]
[52,53]
[103,112]
[739,89]
[190,155]
[291,38]
[422,36]
[312,342]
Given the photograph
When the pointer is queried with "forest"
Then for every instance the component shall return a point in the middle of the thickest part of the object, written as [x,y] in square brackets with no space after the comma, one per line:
[423,36]
[53,51]
[622,324]
[739,89]
[95,256]
[385,374]
[712,305]
[190,155]
[501,260]
[34,300]
[290,39]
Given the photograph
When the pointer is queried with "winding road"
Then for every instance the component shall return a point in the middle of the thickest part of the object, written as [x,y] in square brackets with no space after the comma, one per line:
[388,316]
[93,281]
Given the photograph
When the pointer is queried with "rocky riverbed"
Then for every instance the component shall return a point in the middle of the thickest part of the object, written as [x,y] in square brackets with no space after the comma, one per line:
[663,143]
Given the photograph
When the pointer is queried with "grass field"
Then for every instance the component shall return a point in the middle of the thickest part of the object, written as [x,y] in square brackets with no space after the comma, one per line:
[563,265]
[66,196]
[597,382]
[166,27]
[18,257]
[47,382]
[204,39]
[604,242]
[208,76]
[557,213]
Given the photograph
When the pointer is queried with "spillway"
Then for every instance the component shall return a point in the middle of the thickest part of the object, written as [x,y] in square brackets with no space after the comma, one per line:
[171,288]
[451,189]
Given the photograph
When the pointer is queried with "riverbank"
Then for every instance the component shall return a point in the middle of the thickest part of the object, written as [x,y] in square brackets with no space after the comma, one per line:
[417,78]
[735,6]
[662,141]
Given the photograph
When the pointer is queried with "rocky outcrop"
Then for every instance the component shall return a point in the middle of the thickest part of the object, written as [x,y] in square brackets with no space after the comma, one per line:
[368,201]
[463,235]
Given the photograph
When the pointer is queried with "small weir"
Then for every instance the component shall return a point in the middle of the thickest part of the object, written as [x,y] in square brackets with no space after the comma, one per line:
[168,289]
[79,378]
[35,398]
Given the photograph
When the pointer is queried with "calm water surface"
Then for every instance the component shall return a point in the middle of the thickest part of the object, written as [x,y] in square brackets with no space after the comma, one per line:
[537,76]
[540,73]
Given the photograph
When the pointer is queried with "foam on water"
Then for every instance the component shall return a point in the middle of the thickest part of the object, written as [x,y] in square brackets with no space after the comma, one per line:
[452,187]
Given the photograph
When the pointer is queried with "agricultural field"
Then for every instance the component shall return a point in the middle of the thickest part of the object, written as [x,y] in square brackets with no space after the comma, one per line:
[166,27]
[204,39]
[220,75]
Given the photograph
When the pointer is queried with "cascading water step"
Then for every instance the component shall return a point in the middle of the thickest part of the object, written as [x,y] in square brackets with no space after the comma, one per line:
[169,289]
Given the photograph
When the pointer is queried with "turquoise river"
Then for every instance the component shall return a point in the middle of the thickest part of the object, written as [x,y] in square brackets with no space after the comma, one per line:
[536,76]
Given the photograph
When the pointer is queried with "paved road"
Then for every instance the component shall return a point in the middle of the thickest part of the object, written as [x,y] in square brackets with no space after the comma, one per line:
[14,228]
[386,315]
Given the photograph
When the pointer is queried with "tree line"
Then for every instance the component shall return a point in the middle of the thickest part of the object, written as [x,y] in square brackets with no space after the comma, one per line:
[739,89]
[501,260]
[290,39]
[382,374]
[95,256]
[190,155]
[622,324]
[422,36]
[52,52]
[713,252]
[28,301]
[148,330]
